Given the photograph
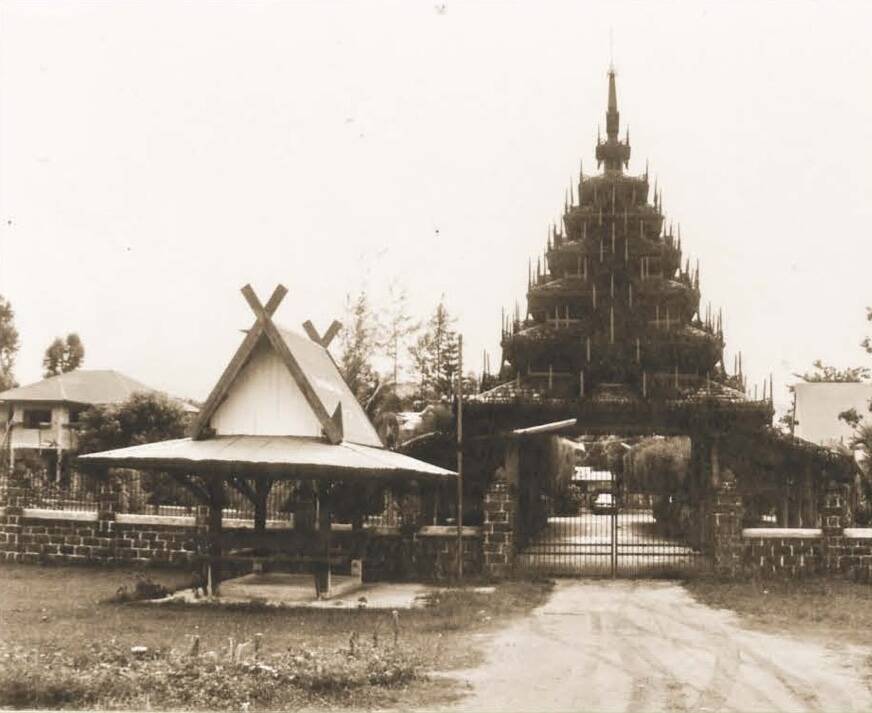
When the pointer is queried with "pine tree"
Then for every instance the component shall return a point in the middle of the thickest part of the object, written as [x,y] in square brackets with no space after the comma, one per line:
[359,341]
[436,355]
[400,327]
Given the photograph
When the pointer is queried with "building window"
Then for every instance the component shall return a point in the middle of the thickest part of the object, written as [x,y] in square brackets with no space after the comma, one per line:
[36,417]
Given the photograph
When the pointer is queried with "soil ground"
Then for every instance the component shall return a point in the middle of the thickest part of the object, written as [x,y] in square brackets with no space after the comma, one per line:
[649,645]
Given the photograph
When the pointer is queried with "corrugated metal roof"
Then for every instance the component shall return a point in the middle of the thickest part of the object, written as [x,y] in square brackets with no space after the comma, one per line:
[320,369]
[290,457]
[83,386]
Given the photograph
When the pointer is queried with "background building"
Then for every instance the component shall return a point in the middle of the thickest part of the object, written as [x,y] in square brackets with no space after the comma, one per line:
[818,405]
[41,418]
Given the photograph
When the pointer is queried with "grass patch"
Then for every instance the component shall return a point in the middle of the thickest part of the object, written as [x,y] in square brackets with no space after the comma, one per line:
[111,676]
[808,606]
[66,639]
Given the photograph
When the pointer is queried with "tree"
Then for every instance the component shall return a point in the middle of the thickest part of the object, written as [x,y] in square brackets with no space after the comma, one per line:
[144,418]
[400,327]
[658,465]
[8,344]
[436,355]
[63,355]
[359,342]
[825,373]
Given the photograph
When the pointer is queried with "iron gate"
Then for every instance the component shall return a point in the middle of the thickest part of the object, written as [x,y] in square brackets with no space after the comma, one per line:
[610,536]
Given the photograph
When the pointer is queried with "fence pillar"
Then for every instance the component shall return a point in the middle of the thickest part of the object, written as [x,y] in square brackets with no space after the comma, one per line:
[834,517]
[498,541]
[726,530]
[14,501]
[108,502]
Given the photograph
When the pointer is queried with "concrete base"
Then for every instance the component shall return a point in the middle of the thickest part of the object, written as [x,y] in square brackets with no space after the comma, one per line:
[285,588]
[301,594]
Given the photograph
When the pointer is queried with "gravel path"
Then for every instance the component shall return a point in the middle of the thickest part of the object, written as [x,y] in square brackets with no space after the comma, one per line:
[647,645]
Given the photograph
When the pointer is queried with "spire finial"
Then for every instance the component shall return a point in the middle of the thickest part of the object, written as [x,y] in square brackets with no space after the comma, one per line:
[611,51]
[612,115]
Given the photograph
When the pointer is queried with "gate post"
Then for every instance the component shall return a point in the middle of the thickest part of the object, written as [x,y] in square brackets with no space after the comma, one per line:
[726,530]
[834,515]
[498,542]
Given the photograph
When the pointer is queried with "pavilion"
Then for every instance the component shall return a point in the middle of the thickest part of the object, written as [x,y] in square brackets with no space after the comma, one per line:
[280,411]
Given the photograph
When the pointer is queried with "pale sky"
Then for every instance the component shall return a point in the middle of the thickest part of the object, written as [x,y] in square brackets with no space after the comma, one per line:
[155,157]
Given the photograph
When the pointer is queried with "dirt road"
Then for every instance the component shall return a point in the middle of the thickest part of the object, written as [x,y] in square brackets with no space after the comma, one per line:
[647,645]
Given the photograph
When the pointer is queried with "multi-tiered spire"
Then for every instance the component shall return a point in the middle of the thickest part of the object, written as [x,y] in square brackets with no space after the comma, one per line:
[611,302]
[613,152]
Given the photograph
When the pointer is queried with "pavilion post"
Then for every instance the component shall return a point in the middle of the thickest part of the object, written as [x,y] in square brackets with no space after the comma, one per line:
[215,524]
[325,517]
[261,491]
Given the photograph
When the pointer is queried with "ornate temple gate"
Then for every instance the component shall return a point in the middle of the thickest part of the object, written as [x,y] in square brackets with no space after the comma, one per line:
[619,541]
[606,530]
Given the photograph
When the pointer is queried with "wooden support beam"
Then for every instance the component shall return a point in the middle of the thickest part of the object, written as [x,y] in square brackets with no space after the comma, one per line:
[333,434]
[196,489]
[237,362]
[241,486]
[324,341]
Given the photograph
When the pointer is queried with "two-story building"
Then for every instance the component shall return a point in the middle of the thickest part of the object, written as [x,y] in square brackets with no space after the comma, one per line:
[41,418]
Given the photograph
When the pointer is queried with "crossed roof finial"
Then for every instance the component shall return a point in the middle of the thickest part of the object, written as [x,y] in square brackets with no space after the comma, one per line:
[264,326]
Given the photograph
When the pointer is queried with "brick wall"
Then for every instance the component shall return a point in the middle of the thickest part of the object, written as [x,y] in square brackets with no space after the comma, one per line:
[498,545]
[437,551]
[783,552]
[798,552]
[725,518]
[28,535]
[33,535]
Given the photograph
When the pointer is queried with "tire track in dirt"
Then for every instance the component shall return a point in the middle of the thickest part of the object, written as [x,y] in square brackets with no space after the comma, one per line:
[591,693]
[614,646]
[801,691]
[797,688]
[634,648]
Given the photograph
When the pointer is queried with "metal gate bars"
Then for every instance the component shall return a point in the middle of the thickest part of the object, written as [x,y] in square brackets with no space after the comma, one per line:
[609,538]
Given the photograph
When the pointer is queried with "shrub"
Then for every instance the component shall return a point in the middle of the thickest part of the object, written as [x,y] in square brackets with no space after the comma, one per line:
[143,588]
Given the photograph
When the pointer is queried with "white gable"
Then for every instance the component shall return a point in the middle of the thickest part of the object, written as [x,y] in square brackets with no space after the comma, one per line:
[264,400]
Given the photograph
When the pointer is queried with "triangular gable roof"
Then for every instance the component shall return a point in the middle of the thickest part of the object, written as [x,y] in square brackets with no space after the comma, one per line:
[315,384]
[82,386]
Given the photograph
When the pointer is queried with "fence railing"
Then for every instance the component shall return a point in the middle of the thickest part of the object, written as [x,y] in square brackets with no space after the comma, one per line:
[158,494]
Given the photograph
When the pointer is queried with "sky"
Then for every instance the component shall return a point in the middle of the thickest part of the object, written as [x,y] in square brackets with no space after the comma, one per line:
[157,156]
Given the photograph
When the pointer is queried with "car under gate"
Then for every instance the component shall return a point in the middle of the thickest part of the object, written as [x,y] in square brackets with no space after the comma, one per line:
[609,535]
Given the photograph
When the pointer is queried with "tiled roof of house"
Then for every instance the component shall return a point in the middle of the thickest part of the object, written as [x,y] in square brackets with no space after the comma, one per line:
[82,386]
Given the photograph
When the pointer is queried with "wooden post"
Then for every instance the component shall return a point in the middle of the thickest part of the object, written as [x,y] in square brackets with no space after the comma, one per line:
[325,517]
[261,489]
[460,457]
[215,524]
